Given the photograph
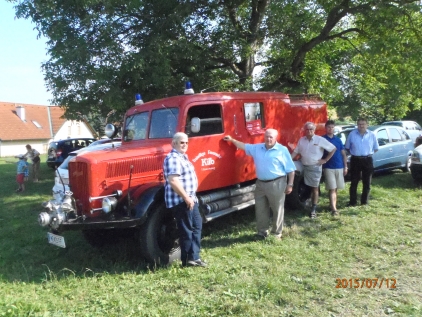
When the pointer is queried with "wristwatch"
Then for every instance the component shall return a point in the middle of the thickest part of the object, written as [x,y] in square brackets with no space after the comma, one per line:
[291,185]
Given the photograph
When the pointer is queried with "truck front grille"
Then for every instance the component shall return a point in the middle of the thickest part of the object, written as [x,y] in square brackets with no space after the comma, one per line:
[78,176]
[140,165]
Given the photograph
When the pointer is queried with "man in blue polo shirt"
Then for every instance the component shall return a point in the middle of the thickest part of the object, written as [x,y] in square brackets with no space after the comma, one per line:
[336,167]
[362,144]
[275,171]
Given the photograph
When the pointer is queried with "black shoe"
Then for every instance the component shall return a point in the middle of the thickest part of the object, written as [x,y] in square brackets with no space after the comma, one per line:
[351,204]
[198,262]
[312,215]
[260,236]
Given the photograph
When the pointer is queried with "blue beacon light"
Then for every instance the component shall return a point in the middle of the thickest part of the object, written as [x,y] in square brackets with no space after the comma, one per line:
[138,99]
[188,88]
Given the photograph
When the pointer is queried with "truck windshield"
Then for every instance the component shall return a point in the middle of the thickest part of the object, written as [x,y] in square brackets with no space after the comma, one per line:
[136,127]
[163,123]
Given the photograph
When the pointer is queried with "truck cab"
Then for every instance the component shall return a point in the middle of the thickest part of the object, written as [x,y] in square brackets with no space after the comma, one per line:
[124,187]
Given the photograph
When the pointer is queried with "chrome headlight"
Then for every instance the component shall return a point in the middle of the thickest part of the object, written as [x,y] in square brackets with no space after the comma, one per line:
[44,219]
[66,207]
[109,204]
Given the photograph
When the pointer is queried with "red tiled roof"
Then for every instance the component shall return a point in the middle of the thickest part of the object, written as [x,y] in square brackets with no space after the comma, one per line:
[13,128]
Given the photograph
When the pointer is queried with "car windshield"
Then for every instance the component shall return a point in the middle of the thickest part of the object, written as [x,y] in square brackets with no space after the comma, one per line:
[136,127]
[396,123]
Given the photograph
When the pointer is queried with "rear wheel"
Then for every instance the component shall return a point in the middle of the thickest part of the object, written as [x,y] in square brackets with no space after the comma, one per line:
[159,238]
[300,194]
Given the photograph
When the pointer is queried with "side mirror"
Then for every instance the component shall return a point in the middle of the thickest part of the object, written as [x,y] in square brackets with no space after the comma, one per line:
[110,130]
[381,142]
[195,125]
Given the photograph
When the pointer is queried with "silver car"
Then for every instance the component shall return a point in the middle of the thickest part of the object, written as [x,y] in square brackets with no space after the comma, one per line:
[395,147]
[61,181]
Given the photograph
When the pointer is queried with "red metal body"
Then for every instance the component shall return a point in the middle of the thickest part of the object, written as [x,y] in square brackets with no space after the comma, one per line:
[138,163]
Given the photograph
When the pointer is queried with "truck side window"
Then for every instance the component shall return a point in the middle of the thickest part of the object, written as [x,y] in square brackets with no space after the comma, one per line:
[211,120]
[136,127]
[163,123]
[253,116]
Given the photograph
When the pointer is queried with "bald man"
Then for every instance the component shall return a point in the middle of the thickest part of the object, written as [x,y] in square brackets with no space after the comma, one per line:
[275,171]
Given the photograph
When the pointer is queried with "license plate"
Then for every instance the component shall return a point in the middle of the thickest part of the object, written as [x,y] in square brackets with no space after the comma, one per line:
[56,240]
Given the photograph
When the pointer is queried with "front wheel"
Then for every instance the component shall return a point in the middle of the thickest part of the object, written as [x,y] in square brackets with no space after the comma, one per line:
[406,168]
[159,237]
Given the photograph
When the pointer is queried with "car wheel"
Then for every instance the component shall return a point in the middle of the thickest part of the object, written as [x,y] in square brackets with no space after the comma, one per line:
[159,239]
[406,168]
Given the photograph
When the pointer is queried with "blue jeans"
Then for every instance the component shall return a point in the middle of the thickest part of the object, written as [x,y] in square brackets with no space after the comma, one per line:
[189,225]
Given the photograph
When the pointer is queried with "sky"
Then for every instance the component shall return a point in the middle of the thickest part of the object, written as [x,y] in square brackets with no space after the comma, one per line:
[21,78]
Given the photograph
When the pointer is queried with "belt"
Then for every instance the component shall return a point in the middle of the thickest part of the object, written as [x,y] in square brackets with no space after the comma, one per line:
[361,157]
[271,180]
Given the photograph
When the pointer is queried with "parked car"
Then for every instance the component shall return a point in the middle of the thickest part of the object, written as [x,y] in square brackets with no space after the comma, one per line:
[412,128]
[61,181]
[104,141]
[416,166]
[395,147]
[339,128]
[59,150]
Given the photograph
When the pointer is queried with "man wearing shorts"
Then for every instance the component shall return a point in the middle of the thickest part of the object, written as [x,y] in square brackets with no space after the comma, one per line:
[336,168]
[311,148]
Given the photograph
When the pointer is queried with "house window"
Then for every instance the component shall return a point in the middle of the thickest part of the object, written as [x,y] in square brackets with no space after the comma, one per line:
[37,124]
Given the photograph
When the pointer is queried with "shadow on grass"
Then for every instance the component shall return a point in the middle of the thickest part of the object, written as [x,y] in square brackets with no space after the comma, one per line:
[239,227]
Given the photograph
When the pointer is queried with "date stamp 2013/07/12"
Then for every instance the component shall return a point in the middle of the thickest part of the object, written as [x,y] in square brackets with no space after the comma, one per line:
[366,283]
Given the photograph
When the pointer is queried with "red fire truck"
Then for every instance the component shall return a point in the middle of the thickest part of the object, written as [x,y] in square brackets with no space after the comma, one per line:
[123,188]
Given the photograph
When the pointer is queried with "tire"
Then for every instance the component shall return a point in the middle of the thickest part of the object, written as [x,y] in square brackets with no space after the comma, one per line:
[300,194]
[406,168]
[159,238]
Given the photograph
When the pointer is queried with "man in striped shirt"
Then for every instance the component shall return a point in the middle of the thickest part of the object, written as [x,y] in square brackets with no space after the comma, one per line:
[180,196]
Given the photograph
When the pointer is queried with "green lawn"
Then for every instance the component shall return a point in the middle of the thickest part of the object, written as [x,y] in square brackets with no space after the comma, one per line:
[296,276]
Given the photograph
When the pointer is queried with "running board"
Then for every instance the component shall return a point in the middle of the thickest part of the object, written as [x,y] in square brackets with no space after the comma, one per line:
[223,212]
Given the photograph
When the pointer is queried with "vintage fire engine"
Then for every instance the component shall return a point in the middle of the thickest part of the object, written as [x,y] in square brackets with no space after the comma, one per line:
[123,188]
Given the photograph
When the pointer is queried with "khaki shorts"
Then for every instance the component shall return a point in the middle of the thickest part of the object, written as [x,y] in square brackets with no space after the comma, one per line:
[312,174]
[334,178]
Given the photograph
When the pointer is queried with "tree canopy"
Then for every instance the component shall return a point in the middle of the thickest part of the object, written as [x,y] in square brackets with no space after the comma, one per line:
[361,56]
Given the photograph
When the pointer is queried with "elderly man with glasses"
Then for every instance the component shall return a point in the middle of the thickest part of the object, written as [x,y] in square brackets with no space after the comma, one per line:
[311,149]
[180,196]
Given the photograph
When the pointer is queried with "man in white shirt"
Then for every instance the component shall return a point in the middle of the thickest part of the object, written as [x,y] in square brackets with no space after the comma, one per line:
[311,149]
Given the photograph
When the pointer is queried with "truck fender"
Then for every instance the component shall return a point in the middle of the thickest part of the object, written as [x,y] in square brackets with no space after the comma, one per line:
[144,198]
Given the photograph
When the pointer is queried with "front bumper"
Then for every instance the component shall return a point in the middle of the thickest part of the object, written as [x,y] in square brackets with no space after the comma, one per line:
[60,215]
[96,223]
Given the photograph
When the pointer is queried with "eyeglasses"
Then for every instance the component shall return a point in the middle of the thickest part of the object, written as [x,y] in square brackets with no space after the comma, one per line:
[181,142]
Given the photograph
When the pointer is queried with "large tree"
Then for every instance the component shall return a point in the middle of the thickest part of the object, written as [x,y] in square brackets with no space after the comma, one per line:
[359,55]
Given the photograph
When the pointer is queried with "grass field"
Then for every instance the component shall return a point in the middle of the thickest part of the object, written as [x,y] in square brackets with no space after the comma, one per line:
[296,276]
